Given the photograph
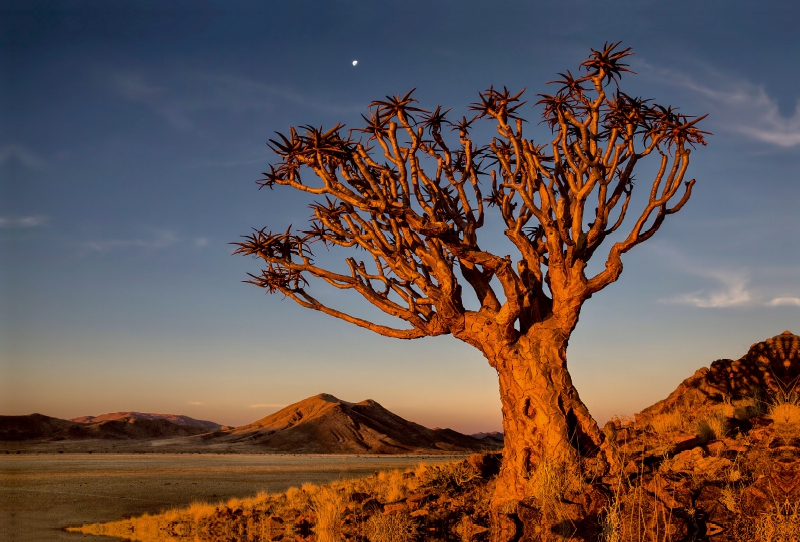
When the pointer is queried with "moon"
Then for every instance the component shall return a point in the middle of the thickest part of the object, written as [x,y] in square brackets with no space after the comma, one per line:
[355,62]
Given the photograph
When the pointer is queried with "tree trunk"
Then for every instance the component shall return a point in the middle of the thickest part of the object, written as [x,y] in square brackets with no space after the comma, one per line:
[548,429]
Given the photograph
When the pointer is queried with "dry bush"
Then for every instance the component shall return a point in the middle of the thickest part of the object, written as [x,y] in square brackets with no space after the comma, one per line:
[550,483]
[668,422]
[327,504]
[788,412]
[711,426]
[297,498]
[393,485]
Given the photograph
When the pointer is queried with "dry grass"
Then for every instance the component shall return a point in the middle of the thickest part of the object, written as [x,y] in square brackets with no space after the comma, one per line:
[668,422]
[712,426]
[324,505]
[327,504]
[788,412]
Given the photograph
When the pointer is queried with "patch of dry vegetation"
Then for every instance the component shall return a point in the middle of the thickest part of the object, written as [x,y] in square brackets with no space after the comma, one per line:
[388,506]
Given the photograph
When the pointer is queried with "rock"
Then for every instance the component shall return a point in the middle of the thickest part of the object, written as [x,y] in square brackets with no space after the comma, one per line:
[359,497]
[673,494]
[487,465]
[371,505]
[417,500]
[395,508]
[593,501]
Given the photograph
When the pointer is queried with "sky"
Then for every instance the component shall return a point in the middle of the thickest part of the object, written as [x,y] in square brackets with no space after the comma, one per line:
[132,134]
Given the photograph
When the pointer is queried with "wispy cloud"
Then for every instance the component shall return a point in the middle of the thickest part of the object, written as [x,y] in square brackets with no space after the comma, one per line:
[23,221]
[267,405]
[784,301]
[731,290]
[740,106]
[21,155]
[195,403]
[730,287]
[158,239]
[180,97]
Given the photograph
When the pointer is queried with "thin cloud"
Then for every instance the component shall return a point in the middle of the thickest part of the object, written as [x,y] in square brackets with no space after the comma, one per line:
[267,405]
[194,403]
[740,106]
[201,92]
[21,155]
[731,287]
[785,301]
[23,221]
[732,291]
[158,240]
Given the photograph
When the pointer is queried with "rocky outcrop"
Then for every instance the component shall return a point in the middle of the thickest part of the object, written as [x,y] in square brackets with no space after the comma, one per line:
[699,464]
[771,367]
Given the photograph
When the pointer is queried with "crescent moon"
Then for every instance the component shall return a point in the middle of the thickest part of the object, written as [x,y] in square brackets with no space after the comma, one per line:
[355,62]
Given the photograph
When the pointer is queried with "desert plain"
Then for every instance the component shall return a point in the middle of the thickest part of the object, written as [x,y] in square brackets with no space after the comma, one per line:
[41,494]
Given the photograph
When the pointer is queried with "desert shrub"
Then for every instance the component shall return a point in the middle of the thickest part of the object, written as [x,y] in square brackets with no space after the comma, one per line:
[550,483]
[297,498]
[787,412]
[327,504]
[711,426]
[667,422]
[393,485]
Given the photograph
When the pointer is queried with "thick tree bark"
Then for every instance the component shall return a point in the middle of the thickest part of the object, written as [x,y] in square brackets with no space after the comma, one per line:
[547,427]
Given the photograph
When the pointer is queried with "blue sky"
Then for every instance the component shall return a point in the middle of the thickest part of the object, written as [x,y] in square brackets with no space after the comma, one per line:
[131,136]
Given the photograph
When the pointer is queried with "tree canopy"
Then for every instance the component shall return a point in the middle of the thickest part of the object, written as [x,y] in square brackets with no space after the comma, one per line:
[414,198]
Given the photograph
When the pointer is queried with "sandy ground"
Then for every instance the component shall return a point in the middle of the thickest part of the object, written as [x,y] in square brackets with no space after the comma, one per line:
[42,494]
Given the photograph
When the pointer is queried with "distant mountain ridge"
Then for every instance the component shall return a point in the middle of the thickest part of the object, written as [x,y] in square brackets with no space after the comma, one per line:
[498,436]
[319,424]
[40,427]
[177,419]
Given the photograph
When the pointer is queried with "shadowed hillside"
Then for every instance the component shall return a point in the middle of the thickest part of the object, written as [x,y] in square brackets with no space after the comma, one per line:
[177,419]
[325,424]
[37,427]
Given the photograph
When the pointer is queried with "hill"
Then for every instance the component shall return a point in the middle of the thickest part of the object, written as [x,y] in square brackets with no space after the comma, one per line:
[320,424]
[177,419]
[325,424]
[37,427]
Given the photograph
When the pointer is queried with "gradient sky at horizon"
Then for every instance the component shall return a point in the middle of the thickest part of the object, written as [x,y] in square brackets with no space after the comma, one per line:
[131,135]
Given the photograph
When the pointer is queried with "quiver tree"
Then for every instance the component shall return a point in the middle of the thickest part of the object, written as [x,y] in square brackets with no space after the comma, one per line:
[414,198]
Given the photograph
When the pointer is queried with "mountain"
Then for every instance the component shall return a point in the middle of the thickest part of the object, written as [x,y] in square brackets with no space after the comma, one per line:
[45,428]
[320,424]
[325,424]
[495,437]
[33,426]
[177,419]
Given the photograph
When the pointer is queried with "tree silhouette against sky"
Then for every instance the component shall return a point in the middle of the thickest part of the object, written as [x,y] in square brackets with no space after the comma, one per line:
[413,200]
